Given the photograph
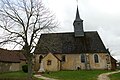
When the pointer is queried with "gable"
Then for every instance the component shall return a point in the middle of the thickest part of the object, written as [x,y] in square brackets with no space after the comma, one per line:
[68,43]
[50,56]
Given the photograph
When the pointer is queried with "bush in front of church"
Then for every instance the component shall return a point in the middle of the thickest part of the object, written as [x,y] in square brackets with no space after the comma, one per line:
[25,68]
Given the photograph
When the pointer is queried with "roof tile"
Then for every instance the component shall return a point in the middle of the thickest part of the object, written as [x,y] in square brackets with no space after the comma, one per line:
[68,43]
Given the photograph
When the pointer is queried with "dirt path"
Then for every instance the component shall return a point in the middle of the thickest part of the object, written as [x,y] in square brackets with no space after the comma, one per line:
[104,76]
[44,78]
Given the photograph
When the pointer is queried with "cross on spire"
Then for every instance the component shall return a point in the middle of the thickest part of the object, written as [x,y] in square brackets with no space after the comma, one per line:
[77,2]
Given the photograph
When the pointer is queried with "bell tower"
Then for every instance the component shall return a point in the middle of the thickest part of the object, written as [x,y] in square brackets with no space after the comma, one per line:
[78,25]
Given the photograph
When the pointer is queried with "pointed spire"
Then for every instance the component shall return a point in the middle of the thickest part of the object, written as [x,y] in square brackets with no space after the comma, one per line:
[78,25]
[78,16]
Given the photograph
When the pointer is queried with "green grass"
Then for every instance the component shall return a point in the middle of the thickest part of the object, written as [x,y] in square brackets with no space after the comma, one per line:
[115,76]
[75,75]
[61,75]
[19,75]
[13,74]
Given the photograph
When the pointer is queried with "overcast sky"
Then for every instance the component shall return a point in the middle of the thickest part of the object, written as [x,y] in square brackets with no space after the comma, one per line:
[98,15]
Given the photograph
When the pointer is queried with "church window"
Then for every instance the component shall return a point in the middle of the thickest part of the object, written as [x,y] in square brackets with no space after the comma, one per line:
[107,59]
[40,58]
[49,62]
[78,23]
[83,58]
[96,58]
[63,58]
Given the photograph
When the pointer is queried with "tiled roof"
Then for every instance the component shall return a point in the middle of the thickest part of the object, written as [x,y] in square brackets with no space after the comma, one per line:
[68,43]
[11,55]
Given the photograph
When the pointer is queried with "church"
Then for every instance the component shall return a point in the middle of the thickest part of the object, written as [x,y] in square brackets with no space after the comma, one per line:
[78,50]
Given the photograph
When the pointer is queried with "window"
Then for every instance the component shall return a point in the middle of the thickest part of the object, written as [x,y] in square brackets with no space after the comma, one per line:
[96,58]
[49,62]
[78,23]
[63,58]
[83,58]
[40,58]
[107,59]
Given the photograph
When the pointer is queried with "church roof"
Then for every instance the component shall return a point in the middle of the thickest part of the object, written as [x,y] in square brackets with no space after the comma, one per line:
[67,43]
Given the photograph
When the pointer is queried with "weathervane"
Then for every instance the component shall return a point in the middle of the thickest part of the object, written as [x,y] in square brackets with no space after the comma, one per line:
[77,2]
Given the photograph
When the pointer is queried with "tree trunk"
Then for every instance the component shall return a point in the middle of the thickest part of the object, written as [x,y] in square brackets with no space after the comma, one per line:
[29,68]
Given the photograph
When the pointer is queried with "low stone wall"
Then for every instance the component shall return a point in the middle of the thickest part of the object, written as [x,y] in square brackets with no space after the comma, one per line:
[5,66]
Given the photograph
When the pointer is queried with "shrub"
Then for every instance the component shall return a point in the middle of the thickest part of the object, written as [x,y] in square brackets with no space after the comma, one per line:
[25,68]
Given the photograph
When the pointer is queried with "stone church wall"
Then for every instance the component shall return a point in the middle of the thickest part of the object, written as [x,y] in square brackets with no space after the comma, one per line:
[73,61]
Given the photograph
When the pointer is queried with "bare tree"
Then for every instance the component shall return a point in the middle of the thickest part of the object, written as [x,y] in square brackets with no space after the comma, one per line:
[22,22]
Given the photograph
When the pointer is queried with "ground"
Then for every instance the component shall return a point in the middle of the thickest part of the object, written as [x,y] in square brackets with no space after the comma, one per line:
[104,76]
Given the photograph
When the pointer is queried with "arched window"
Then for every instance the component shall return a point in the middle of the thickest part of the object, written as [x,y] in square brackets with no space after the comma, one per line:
[63,58]
[83,58]
[40,58]
[96,58]
[107,59]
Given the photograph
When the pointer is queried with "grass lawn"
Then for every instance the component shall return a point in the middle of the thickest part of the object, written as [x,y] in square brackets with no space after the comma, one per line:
[75,75]
[115,76]
[14,76]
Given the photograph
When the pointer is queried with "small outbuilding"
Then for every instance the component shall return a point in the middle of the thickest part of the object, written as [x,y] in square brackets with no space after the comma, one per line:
[11,60]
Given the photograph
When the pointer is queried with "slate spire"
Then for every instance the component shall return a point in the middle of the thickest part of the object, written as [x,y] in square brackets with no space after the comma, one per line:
[78,25]
[78,16]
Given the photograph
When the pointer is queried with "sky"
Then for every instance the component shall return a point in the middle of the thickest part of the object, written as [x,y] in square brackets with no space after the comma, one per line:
[98,15]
